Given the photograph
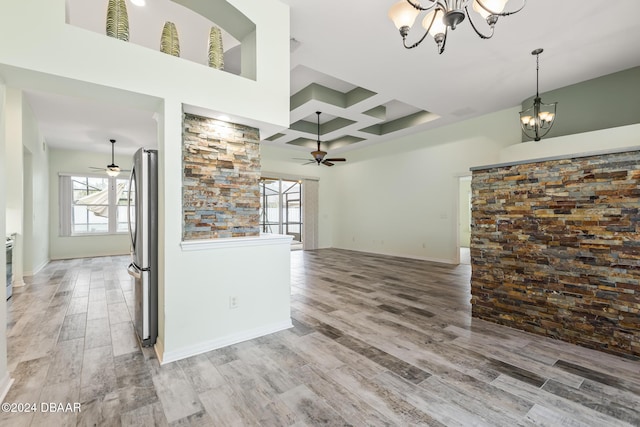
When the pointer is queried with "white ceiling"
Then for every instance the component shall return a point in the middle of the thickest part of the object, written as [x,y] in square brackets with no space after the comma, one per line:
[347,44]
[75,124]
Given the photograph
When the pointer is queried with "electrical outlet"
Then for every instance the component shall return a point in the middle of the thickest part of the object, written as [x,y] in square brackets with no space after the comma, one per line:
[233,302]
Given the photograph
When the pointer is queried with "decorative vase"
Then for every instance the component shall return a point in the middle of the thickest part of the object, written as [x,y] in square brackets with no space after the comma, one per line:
[169,42]
[216,53]
[118,20]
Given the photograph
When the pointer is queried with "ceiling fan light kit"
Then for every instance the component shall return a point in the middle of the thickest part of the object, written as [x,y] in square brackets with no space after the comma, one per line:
[113,169]
[444,15]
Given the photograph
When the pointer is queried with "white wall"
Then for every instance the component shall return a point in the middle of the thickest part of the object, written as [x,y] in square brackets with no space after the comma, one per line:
[199,317]
[196,285]
[28,195]
[5,379]
[65,247]
[36,194]
[13,173]
[401,197]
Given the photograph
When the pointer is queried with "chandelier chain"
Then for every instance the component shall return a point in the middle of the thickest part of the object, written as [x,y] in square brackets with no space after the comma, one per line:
[537,120]
[537,75]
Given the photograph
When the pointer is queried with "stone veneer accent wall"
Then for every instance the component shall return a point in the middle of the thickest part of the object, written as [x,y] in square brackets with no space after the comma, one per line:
[555,249]
[220,192]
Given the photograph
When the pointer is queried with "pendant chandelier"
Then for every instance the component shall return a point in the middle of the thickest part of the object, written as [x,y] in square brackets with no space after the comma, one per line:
[443,15]
[536,121]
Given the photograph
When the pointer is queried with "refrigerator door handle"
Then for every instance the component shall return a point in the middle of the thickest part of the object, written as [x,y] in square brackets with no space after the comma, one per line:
[131,236]
[134,271]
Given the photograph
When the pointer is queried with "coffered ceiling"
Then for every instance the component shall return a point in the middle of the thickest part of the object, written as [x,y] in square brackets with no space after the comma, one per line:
[350,114]
[347,61]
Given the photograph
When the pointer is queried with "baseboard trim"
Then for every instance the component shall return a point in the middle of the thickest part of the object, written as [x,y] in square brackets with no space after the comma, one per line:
[165,357]
[5,385]
[159,349]
[18,283]
[80,256]
[396,255]
[37,269]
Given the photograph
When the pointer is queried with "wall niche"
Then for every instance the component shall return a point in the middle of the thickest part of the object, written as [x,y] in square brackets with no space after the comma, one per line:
[555,249]
[221,172]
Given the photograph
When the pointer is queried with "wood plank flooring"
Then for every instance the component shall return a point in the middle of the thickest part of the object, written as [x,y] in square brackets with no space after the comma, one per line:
[377,341]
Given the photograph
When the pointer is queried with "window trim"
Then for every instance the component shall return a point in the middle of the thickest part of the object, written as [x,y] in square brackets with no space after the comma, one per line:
[65,205]
[283,213]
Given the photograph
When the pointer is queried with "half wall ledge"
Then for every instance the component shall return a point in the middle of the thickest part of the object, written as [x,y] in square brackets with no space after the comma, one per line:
[560,157]
[236,242]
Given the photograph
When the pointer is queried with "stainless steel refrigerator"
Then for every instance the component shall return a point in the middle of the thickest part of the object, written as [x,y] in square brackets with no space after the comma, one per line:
[143,229]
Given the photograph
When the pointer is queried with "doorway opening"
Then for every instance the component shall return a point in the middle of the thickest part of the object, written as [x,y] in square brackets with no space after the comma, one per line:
[464,219]
[281,208]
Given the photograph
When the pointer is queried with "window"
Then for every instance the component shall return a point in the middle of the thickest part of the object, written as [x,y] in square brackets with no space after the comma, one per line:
[93,204]
[280,207]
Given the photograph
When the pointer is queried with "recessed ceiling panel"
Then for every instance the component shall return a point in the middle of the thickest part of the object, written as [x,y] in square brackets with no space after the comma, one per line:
[400,123]
[303,142]
[276,136]
[349,114]
[302,77]
[343,141]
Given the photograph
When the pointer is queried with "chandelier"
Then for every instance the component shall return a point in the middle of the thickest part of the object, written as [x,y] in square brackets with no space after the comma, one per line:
[444,14]
[536,121]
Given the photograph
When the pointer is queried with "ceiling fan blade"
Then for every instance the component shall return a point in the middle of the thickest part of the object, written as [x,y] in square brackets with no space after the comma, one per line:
[327,162]
[103,169]
[309,162]
[299,158]
[336,160]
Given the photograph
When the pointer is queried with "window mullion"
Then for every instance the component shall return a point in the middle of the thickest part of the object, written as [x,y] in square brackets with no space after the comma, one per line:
[280,205]
[112,205]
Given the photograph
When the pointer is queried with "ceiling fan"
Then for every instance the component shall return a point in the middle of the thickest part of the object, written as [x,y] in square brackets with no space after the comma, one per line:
[318,155]
[111,169]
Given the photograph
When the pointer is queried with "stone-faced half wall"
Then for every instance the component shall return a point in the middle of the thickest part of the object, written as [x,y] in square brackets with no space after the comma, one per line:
[220,192]
[555,249]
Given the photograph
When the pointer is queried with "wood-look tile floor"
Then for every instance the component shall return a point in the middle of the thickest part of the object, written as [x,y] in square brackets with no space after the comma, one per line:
[377,341]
